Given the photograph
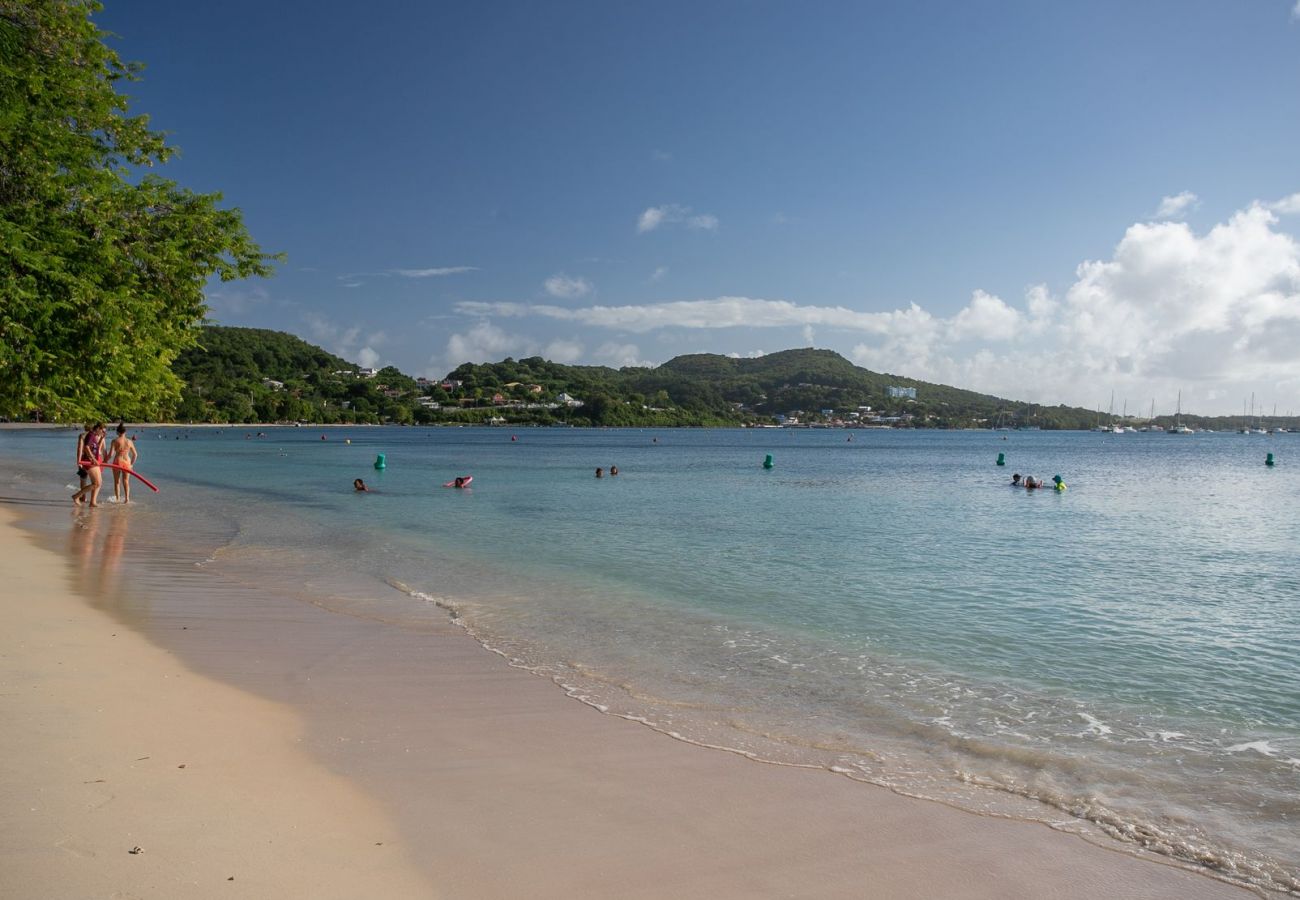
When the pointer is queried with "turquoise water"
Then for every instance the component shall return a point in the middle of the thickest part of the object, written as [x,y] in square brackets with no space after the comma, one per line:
[1121,660]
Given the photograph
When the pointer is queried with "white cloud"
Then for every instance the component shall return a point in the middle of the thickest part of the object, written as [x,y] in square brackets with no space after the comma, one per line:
[346,341]
[720,312]
[619,356]
[1295,12]
[485,342]
[435,272]
[563,351]
[1287,206]
[659,273]
[986,318]
[562,285]
[809,336]
[674,214]
[661,156]
[1177,206]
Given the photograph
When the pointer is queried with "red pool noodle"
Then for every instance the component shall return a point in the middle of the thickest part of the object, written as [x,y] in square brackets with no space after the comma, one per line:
[147,483]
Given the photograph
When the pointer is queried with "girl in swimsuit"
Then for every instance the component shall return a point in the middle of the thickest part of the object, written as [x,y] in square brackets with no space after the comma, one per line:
[123,453]
[89,457]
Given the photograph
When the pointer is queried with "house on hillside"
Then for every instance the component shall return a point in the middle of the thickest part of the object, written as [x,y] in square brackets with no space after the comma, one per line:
[568,400]
[908,393]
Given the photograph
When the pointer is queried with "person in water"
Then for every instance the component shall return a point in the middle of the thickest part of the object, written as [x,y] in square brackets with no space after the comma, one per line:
[82,474]
[600,473]
[89,459]
[359,485]
[613,470]
[122,452]
[1032,482]
[1015,480]
[459,482]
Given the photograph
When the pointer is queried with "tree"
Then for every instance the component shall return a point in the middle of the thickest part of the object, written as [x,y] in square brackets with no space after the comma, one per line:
[102,270]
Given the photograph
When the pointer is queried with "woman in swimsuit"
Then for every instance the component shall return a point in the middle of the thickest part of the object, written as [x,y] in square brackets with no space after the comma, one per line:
[123,453]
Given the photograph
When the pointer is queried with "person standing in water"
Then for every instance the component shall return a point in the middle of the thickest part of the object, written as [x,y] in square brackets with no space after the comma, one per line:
[82,474]
[122,452]
[90,455]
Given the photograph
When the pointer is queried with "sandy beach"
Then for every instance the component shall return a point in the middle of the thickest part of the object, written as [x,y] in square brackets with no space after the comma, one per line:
[303,753]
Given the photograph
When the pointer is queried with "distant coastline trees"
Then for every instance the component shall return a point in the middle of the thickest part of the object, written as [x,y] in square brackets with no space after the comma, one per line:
[102,270]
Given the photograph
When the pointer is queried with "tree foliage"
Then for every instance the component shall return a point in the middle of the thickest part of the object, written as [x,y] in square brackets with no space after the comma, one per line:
[102,268]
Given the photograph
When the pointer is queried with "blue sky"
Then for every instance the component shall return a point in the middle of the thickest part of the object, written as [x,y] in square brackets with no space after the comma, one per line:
[1044,201]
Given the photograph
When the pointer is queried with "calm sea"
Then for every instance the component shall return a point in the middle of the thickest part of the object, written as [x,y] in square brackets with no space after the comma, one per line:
[1121,659]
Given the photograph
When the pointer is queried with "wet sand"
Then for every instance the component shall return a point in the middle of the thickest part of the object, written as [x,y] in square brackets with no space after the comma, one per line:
[332,756]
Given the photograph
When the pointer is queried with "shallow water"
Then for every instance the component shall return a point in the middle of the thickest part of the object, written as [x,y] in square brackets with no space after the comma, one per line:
[1122,659]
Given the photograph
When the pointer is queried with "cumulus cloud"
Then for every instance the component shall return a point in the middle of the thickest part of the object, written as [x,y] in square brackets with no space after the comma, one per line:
[1177,206]
[674,214]
[349,342]
[619,356]
[486,342]
[563,351]
[562,285]
[1218,314]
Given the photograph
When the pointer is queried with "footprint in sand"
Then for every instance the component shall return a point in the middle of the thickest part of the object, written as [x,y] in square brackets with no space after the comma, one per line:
[75,845]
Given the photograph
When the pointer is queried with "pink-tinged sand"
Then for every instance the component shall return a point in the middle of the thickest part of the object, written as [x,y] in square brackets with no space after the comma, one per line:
[333,756]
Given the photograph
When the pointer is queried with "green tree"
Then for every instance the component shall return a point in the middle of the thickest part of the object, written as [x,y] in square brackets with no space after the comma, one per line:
[102,270]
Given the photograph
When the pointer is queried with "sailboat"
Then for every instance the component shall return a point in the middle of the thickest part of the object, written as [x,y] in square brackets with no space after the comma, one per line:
[1255,429]
[1180,428]
[1276,429]
[1151,419]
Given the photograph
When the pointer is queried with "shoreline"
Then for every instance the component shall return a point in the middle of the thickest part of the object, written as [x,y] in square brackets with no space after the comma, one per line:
[497,781]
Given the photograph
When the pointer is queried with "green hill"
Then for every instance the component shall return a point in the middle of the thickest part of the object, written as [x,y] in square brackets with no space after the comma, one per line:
[256,375]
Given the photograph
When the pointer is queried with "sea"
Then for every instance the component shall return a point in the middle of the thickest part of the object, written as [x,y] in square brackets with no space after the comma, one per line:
[1120,659]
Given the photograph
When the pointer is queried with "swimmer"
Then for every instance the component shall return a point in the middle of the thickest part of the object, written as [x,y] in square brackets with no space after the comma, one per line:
[359,485]
[459,482]
[1015,480]
[613,470]
[600,473]
[1032,482]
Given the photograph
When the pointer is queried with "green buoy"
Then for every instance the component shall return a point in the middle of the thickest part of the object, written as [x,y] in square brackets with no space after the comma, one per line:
[380,462]
[767,463]
[1268,460]
[1002,459]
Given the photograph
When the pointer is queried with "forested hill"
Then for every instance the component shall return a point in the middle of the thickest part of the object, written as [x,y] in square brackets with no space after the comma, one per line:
[256,375]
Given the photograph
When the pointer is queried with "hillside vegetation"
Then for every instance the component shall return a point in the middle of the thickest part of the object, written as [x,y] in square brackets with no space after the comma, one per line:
[255,375]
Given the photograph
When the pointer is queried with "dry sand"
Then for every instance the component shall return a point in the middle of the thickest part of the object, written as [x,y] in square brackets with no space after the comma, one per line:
[485,778]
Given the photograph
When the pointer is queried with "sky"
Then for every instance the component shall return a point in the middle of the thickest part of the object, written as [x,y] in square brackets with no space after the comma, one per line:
[1049,202]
